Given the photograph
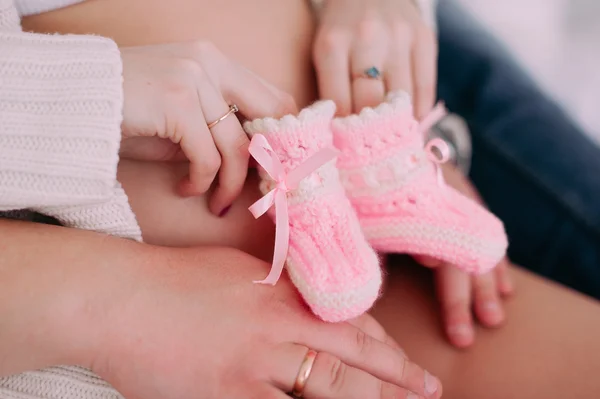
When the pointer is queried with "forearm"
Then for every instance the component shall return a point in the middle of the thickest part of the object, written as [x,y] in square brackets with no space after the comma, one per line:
[55,291]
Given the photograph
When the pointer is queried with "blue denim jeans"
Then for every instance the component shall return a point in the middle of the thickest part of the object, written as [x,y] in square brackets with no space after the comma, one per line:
[533,165]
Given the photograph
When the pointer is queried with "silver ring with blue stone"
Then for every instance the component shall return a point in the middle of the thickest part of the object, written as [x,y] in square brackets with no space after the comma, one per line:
[371,73]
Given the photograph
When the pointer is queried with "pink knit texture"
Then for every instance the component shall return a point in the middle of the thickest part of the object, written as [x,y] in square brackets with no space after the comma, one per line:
[401,205]
[329,259]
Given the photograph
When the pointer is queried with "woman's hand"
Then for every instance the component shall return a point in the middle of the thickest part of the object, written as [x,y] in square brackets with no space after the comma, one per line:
[389,35]
[189,323]
[173,92]
[461,294]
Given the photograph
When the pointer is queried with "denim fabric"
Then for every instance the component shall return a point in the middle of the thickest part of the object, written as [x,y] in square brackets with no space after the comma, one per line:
[533,165]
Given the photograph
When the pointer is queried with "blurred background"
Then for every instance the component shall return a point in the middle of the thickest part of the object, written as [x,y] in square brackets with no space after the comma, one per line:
[558,41]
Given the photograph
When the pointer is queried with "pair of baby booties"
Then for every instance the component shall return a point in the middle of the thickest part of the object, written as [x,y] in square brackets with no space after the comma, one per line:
[340,189]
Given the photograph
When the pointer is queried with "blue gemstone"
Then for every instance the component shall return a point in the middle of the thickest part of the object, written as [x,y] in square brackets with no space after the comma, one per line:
[373,72]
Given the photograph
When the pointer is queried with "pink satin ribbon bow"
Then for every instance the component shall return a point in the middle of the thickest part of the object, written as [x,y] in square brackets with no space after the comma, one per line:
[285,182]
[443,150]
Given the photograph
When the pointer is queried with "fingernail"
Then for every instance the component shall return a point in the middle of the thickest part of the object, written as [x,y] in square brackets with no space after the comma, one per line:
[491,306]
[459,329]
[431,384]
[224,211]
[412,395]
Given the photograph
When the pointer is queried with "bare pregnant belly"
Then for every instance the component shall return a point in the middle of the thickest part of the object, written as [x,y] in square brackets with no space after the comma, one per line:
[271,37]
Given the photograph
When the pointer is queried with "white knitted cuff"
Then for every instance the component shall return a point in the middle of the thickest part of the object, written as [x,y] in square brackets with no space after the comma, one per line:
[30,7]
[61,100]
[9,18]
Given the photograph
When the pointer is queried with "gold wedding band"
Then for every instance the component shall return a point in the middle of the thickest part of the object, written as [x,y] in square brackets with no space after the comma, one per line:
[232,110]
[304,373]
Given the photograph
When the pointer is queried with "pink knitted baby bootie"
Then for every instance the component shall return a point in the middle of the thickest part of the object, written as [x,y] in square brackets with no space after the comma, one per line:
[318,234]
[394,182]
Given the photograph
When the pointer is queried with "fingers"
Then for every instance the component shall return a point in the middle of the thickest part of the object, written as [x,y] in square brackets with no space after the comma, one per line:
[428,261]
[197,143]
[329,377]
[487,305]
[332,378]
[254,96]
[333,69]
[372,327]
[454,294]
[357,349]
[231,141]
[398,70]
[368,56]
[424,71]
[503,278]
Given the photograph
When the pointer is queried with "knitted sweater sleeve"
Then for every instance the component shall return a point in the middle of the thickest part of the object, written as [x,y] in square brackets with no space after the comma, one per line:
[60,115]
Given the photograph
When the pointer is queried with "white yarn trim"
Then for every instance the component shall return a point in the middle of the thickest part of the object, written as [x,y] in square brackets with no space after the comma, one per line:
[395,103]
[320,110]
[335,300]
[414,232]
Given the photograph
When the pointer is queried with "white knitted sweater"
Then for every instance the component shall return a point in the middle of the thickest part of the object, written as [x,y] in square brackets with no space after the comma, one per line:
[60,128]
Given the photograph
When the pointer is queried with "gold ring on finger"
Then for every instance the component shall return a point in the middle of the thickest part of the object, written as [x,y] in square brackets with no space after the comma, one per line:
[232,110]
[304,373]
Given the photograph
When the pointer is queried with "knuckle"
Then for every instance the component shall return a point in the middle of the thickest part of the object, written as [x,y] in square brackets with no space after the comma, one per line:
[337,374]
[241,145]
[401,367]
[372,327]
[363,342]
[204,47]
[188,67]
[330,40]
[456,306]
[183,98]
[370,27]
[403,33]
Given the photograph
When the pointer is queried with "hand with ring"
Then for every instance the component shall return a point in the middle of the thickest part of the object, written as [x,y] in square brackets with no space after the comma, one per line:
[176,331]
[181,102]
[367,48]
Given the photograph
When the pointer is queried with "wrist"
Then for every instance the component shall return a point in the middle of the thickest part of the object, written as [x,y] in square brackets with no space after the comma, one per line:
[95,300]
[54,298]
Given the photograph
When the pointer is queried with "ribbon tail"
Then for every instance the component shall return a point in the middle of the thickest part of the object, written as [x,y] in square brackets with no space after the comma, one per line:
[261,206]
[310,165]
[282,238]
[440,176]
